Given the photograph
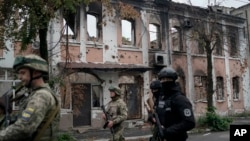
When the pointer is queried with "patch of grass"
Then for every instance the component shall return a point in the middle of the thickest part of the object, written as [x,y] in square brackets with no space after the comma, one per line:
[214,122]
[65,137]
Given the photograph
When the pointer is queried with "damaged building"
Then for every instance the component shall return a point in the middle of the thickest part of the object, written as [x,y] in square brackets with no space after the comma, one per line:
[99,46]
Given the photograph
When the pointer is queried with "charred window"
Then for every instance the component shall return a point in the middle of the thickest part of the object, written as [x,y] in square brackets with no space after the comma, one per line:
[218,45]
[155,38]
[96,95]
[94,22]
[177,38]
[236,88]
[201,47]
[233,39]
[200,83]
[220,88]
[71,24]
[93,29]
[128,32]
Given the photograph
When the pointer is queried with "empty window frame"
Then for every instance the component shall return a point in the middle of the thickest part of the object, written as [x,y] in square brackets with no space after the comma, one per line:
[200,84]
[218,44]
[233,41]
[220,88]
[177,38]
[236,87]
[71,24]
[128,32]
[155,36]
[92,27]
[201,47]
[96,95]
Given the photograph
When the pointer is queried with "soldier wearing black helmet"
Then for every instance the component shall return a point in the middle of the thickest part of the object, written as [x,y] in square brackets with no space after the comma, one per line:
[155,88]
[174,109]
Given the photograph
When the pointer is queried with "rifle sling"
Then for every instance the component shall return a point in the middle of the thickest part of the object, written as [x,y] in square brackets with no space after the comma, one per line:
[51,116]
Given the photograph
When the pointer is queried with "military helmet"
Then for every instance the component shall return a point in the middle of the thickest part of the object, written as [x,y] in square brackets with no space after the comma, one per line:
[31,61]
[115,89]
[156,84]
[167,72]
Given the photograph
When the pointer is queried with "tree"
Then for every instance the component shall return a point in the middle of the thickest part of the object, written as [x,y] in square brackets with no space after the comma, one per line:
[208,31]
[27,19]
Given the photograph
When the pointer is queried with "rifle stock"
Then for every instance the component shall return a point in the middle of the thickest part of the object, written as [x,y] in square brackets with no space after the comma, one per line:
[158,124]
[107,119]
[7,96]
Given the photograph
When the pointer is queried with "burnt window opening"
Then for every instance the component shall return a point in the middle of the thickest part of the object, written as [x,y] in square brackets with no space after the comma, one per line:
[218,45]
[96,95]
[128,32]
[177,39]
[233,41]
[71,25]
[93,28]
[220,88]
[155,36]
[200,84]
[201,47]
[236,88]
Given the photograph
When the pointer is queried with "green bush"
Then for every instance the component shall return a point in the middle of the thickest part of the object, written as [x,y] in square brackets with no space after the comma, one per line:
[65,137]
[214,122]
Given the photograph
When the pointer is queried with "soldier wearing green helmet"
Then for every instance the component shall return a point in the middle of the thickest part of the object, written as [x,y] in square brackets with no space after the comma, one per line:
[117,110]
[38,116]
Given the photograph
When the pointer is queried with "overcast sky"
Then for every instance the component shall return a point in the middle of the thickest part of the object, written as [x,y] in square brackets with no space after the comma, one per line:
[227,3]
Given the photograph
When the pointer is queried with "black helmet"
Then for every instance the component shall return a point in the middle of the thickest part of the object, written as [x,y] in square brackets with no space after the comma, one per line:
[156,84]
[167,72]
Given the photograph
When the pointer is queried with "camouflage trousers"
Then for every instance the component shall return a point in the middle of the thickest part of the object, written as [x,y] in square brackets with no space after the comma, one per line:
[118,134]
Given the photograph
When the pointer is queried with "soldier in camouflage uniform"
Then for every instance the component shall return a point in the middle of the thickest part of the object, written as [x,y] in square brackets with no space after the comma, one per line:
[117,109]
[39,106]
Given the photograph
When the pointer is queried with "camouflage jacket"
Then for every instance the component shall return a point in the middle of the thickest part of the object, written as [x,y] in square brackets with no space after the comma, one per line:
[33,114]
[118,111]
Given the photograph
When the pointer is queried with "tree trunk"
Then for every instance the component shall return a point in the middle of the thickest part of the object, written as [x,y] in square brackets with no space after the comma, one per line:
[210,90]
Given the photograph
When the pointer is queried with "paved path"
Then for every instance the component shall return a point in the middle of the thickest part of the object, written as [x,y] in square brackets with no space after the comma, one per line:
[142,134]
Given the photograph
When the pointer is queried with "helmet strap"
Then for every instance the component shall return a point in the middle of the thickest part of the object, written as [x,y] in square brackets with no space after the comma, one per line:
[32,78]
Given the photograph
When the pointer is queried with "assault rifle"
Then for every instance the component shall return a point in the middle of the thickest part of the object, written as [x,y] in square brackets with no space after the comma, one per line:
[6,97]
[108,117]
[158,133]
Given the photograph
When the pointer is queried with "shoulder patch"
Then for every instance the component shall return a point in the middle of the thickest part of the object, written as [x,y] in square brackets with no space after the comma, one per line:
[187,112]
[26,114]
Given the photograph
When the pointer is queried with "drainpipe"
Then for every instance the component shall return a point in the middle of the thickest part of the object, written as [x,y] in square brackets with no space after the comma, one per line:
[248,44]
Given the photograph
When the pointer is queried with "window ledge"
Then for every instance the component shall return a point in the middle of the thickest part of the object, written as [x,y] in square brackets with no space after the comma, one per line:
[94,44]
[132,48]
[220,101]
[236,100]
[201,101]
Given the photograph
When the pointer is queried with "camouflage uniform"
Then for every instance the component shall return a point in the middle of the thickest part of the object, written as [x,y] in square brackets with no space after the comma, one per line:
[118,111]
[34,110]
